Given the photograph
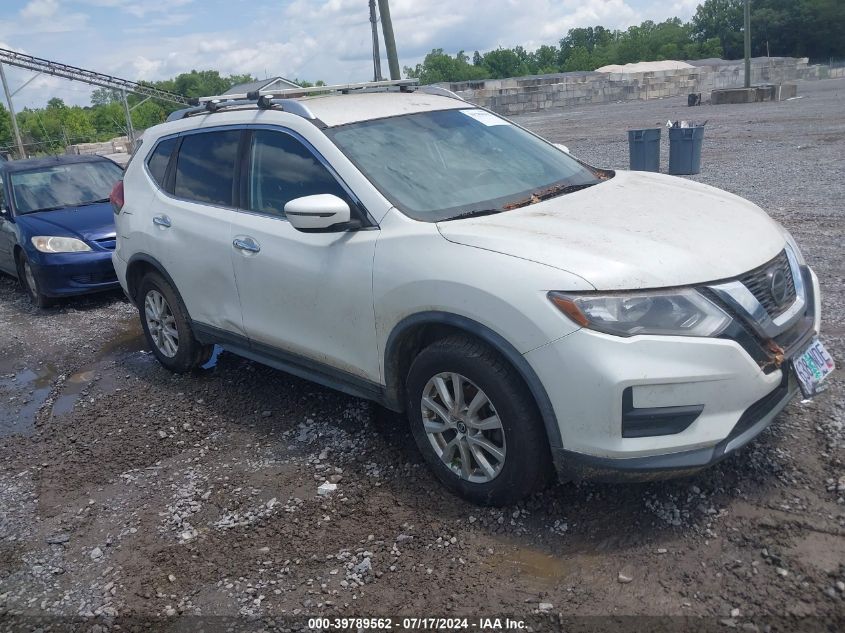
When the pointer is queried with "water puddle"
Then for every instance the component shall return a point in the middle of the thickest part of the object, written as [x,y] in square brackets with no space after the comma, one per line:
[545,567]
[72,389]
[23,393]
[539,564]
[131,339]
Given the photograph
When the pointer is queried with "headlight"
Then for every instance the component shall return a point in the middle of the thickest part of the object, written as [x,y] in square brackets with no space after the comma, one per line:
[47,244]
[675,313]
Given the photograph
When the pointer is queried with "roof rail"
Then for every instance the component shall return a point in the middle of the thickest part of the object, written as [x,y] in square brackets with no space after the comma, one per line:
[404,85]
[440,92]
[264,103]
[286,99]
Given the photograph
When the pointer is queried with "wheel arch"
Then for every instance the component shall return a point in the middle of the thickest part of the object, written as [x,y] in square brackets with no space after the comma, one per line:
[416,331]
[139,265]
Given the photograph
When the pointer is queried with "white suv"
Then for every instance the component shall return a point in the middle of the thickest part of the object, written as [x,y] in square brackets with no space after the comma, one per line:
[525,310]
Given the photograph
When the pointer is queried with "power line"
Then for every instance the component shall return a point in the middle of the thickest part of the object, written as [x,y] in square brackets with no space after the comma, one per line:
[65,71]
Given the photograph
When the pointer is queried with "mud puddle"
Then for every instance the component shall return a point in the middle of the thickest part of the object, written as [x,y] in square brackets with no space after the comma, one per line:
[544,567]
[23,394]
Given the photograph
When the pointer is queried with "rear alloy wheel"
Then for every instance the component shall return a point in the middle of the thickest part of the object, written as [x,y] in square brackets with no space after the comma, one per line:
[161,323]
[30,284]
[475,422]
[167,327]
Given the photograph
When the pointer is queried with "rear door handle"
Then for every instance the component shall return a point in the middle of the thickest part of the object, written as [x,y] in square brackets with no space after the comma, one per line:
[162,220]
[246,244]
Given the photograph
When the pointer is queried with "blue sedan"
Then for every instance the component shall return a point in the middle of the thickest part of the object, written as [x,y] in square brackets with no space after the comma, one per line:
[57,226]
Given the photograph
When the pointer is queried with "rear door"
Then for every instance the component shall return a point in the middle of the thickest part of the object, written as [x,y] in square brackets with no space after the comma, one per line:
[191,217]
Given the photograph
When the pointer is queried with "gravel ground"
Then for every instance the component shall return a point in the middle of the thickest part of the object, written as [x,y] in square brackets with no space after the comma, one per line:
[132,498]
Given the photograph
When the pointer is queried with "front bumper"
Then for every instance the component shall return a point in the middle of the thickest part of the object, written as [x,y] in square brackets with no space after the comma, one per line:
[67,274]
[723,395]
[753,421]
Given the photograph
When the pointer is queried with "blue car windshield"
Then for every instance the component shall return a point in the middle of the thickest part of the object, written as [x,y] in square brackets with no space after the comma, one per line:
[63,185]
[447,164]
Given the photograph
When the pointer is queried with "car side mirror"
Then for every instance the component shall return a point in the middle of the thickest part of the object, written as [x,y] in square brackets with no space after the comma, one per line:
[318,213]
[562,147]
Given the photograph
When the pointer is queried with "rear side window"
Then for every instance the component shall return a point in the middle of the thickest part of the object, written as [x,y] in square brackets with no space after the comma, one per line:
[205,167]
[159,157]
[284,169]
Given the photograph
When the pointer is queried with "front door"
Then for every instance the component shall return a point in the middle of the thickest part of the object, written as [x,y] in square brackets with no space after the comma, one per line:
[8,236]
[305,294]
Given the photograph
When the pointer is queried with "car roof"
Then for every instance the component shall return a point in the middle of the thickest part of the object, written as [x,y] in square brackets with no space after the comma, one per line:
[328,110]
[49,161]
[337,109]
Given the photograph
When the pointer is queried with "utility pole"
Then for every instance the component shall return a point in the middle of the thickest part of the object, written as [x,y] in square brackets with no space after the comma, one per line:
[130,130]
[17,131]
[747,43]
[389,40]
[376,54]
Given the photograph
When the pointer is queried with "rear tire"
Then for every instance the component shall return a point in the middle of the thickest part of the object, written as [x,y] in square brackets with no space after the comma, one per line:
[167,327]
[30,283]
[489,444]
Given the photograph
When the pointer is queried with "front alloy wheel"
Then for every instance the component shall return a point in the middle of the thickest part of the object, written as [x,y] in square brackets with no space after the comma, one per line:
[476,423]
[463,427]
[161,323]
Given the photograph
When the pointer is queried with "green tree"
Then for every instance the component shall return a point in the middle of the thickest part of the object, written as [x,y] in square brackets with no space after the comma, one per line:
[722,19]
[6,138]
[579,58]
[505,62]
[439,66]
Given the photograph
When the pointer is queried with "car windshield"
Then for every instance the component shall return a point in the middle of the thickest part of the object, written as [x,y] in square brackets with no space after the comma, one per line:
[448,164]
[63,185]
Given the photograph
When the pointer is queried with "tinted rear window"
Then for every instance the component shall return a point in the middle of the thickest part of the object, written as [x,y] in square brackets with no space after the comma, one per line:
[159,157]
[205,168]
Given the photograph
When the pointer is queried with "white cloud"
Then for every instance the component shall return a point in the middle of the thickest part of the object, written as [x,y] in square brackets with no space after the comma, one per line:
[40,9]
[140,8]
[44,16]
[308,39]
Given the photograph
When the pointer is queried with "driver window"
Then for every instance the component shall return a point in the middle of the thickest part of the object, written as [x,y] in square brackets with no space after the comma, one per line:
[282,169]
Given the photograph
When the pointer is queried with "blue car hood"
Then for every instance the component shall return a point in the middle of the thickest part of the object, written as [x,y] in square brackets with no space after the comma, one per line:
[90,222]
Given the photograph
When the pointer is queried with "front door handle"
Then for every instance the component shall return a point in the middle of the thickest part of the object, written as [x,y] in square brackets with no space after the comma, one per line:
[162,221]
[246,244]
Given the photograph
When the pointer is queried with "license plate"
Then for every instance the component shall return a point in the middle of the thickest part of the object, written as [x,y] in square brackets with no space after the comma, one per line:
[811,367]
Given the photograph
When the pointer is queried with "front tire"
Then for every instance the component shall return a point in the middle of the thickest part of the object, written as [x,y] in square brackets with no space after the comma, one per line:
[30,283]
[476,423]
[167,327]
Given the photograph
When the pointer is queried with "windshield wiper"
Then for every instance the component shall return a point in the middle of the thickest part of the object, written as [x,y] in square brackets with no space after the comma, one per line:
[545,194]
[69,206]
[474,214]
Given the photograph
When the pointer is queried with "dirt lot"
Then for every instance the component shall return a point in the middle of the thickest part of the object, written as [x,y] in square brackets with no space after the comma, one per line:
[137,496]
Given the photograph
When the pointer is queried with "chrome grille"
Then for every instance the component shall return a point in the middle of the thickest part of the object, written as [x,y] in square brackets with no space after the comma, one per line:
[759,282]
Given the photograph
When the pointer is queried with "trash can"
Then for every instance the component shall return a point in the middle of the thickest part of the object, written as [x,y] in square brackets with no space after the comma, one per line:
[644,149]
[685,149]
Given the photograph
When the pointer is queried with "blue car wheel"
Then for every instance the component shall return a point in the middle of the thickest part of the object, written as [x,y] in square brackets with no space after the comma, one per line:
[30,283]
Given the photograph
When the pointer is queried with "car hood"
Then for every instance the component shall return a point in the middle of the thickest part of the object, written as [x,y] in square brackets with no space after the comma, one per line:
[635,230]
[90,222]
